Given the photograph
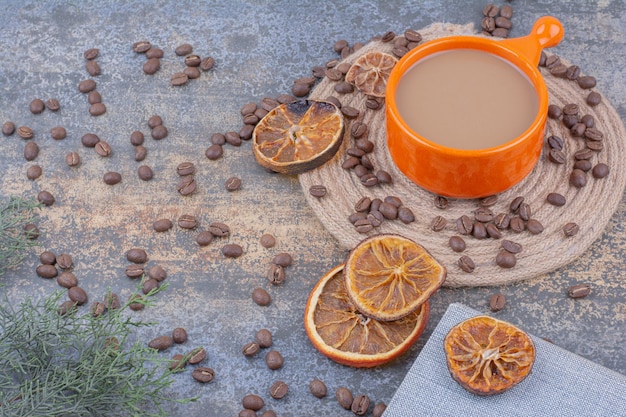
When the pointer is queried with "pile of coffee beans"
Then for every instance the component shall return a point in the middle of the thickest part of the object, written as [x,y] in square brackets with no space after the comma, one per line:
[371,213]
[497,20]
[179,361]
[358,404]
[153,56]
[88,87]
[186,184]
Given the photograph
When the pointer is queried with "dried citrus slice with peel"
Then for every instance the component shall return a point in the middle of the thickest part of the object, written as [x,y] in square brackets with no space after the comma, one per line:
[389,276]
[487,356]
[370,73]
[296,137]
[339,331]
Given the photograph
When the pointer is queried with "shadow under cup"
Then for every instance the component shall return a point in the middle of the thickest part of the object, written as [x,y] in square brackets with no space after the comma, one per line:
[455,171]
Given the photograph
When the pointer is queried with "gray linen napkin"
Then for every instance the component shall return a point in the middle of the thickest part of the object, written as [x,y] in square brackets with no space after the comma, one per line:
[561,384]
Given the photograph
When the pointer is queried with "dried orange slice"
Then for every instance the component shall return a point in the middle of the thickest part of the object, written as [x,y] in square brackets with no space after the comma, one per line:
[339,331]
[370,73]
[389,276]
[487,356]
[296,137]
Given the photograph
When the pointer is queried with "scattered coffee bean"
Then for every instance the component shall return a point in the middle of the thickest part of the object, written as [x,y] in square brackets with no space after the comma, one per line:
[47,258]
[438,223]
[267,240]
[583,165]
[25,132]
[197,356]
[233,184]
[261,297]
[149,285]
[379,410]
[64,261]
[179,78]
[497,302]
[46,198]
[192,72]
[137,302]
[204,238]
[31,151]
[524,211]
[103,149]
[534,226]
[276,274]
[145,173]
[250,349]
[556,199]
[510,246]
[219,229]
[554,111]
[344,397]
[89,140]
[388,210]
[278,390]
[93,68]
[78,295]
[483,215]
[161,343]
[232,250]
[137,256]
[318,388]
[493,231]
[555,142]
[8,128]
[179,335]
[86,86]
[517,225]
[46,271]
[53,104]
[162,225]
[360,405]
[594,98]
[466,264]
[317,191]
[203,374]
[91,53]
[112,178]
[464,225]
[405,215]
[600,170]
[186,185]
[479,231]
[141,47]
[72,159]
[264,338]
[579,290]
[274,360]
[159,132]
[157,272]
[505,259]
[214,152]
[33,172]
[586,82]
[97,309]
[283,259]
[134,270]
[457,243]
[187,221]
[578,178]
[252,402]
[192,60]
[136,138]
[66,307]
[183,49]
[570,229]
[37,106]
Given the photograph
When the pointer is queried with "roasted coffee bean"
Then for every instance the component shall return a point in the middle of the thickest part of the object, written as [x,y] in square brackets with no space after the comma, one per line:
[103,149]
[457,243]
[557,156]
[556,199]
[500,32]
[94,97]
[300,90]
[179,335]
[47,258]
[438,223]
[145,173]
[578,178]
[186,185]
[154,52]
[510,246]
[183,49]
[187,221]
[552,60]
[350,162]
[368,180]
[64,261]
[573,72]
[554,111]
[46,198]
[534,226]
[388,210]
[192,72]
[33,172]
[178,78]
[579,290]
[570,120]
[318,388]
[252,402]
[283,259]
[214,152]
[264,338]
[232,138]
[524,211]
[218,139]
[232,184]
[157,272]
[600,170]
[219,229]
[583,154]
[141,47]
[594,134]
[203,374]
[570,229]
[250,349]
[594,98]
[517,225]
[247,413]
[92,68]
[559,70]
[31,150]
[493,231]
[137,256]
[178,362]
[466,264]
[483,215]
[278,390]
[46,271]
[25,132]
[344,397]
[586,82]
[285,98]
[204,238]
[89,140]
[251,119]
[161,342]
[267,240]
[363,204]
[363,226]
[375,218]
[588,121]
[66,307]
[400,51]
[441,202]
[594,145]
[134,270]
[479,231]
[488,23]
[137,302]
[464,225]
[503,22]
[555,142]
[149,285]
[360,405]
[578,130]
[112,178]
[192,60]
[412,35]
[380,408]
[72,159]
[8,128]
[393,200]
[318,190]
[162,225]
[388,36]
[137,138]
[31,231]
[350,112]
[86,86]
[91,53]
[489,201]
[97,309]
[356,152]
[159,132]
[383,177]
[490,10]
[77,295]
[276,274]
[274,360]
[53,104]
[269,103]
[232,250]
[583,165]
[58,133]
[505,259]
[197,356]
[37,106]
[497,302]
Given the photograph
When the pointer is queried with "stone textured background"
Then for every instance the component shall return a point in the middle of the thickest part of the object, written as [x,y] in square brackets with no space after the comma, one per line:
[259,48]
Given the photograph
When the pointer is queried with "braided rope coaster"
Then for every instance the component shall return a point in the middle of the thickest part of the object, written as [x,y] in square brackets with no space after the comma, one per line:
[590,207]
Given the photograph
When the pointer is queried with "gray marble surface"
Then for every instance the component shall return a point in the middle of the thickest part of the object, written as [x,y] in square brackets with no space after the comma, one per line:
[259,48]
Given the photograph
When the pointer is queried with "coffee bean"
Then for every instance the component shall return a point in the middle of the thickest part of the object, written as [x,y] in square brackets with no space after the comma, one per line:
[250,349]
[157,272]
[112,178]
[203,374]
[159,132]
[46,271]
[317,190]
[179,335]
[86,86]
[161,343]
[72,159]
[318,388]
[276,274]
[578,130]
[579,290]
[77,295]
[464,225]
[219,229]
[31,150]
[405,215]
[559,70]
[344,397]
[252,402]
[555,142]
[350,112]
[214,152]
[267,240]
[534,226]
[556,199]
[134,270]
[457,243]
[466,264]
[554,111]
[145,173]
[25,132]
[204,238]
[64,261]
[594,98]
[517,225]
[103,149]
[505,259]
[154,121]
[493,231]
[31,231]
[578,178]
[192,72]
[570,120]
[583,154]
[586,82]
[570,229]
[197,356]
[363,226]
[388,210]
[488,23]
[137,256]
[524,211]
[360,405]
[274,360]
[53,104]
[8,128]
[232,250]
[91,53]
[278,390]
[179,78]
[593,134]
[47,258]
[283,259]
[149,285]
[264,338]
[46,198]
[232,184]
[141,47]
[136,138]
[483,215]
[33,172]
[375,218]
[66,307]
[500,33]
[37,106]
[192,60]
[89,140]
[497,302]
[438,223]
[600,170]
[93,68]
[479,231]
[136,302]
[187,221]
[97,309]
[162,225]
[183,49]
[583,165]
[186,185]
[380,408]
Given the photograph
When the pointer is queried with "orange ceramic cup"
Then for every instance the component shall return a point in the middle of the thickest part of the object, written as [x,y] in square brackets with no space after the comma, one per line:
[473,173]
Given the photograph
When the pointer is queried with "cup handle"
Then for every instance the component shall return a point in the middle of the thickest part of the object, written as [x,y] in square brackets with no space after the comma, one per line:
[546,33]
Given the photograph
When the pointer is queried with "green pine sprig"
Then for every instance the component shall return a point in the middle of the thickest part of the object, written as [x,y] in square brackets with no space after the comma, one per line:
[15,214]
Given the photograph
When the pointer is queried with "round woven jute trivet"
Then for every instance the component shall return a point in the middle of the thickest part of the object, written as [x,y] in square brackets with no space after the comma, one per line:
[590,207]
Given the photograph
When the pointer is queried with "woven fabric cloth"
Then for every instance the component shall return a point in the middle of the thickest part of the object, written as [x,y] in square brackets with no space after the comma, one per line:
[591,207]
[560,384]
